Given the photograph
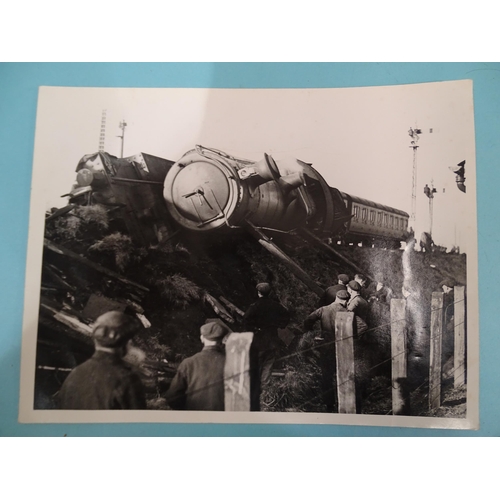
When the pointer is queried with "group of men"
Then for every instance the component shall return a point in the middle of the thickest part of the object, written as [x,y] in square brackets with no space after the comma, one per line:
[105,381]
[344,296]
[370,306]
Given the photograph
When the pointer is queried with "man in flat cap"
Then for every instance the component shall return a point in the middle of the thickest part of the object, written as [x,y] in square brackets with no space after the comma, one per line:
[361,279]
[263,318]
[105,381]
[331,292]
[199,381]
[358,305]
[326,315]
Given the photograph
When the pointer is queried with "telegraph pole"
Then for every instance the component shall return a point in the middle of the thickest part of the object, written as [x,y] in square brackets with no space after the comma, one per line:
[122,125]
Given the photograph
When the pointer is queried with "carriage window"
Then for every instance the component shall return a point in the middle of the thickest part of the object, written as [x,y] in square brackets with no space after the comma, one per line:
[356,212]
[372,216]
[364,214]
[386,218]
[391,223]
[379,218]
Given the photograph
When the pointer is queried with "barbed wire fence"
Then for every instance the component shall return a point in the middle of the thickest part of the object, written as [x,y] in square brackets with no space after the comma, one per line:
[318,347]
[332,343]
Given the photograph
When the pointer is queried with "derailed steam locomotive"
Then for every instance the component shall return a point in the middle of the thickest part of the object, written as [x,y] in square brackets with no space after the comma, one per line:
[210,192]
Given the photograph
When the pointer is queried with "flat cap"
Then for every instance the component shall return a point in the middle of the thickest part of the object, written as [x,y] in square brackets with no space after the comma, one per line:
[344,278]
[218,320]
[214,331]
[354,285]
[264,288]
[114,329]
[343,294]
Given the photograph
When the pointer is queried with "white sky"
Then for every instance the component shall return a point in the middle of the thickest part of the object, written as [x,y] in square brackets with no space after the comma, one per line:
[357,138]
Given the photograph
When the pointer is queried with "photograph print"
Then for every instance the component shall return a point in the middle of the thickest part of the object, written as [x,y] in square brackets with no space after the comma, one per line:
[253,256]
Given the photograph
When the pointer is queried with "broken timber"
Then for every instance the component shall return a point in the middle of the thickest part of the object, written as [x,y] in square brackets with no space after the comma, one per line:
[52,271]
[271,247]
[60,211]
[67,319]
[231,306]
[218,308]
[80,258]
[312,237]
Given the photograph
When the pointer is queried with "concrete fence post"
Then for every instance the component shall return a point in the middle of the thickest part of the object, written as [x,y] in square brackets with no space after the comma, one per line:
[237,372]
[346,387]
[437,324]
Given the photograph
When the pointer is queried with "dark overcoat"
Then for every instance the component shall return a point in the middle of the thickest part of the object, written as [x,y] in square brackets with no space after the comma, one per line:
[199,382]
[103,382]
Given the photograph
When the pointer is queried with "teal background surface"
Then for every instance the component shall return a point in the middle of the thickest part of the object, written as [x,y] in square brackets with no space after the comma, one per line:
[18,100]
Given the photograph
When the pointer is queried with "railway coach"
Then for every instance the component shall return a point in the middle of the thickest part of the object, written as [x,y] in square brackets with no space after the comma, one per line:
[373,224]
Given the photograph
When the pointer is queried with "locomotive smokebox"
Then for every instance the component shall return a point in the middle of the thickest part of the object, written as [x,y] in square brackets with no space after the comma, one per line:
[208,190]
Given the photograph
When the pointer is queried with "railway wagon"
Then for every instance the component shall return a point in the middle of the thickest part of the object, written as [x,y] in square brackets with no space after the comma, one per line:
[374,224]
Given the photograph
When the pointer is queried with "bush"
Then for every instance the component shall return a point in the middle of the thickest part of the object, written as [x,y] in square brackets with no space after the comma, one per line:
[79,221]
[95,214]
[178,290]
[121,248]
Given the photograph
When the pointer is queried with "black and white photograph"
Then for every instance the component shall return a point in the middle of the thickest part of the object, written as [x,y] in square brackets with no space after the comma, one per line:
[253,256]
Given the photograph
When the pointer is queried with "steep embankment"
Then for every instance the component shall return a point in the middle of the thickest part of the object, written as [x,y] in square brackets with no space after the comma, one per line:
[190,281]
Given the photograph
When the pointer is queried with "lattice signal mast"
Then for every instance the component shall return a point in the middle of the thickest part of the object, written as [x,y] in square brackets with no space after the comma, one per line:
[429,192]
[102,135]
[414,133]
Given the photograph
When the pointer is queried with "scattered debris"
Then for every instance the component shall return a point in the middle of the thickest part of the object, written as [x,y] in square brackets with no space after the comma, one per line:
[231,306]
[218,308]
[54,247]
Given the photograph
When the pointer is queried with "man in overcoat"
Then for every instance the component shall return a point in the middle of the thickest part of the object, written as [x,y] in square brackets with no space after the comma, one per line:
[331,292]
[199,381]
[105,381]
[326,315]
[358,305]
[263,318]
